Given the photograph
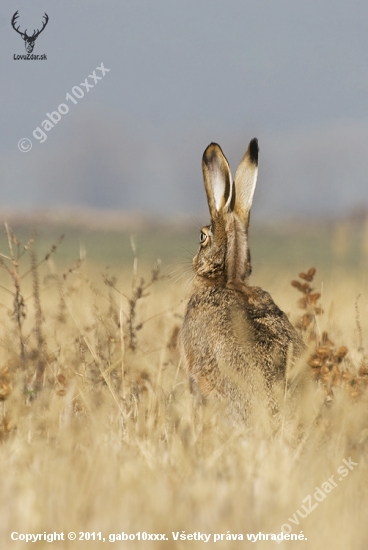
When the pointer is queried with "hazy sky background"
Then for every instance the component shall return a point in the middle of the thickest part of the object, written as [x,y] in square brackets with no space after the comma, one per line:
[183,74]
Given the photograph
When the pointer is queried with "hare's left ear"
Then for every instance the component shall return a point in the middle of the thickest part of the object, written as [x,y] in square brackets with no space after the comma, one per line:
[245,182]
[217,181]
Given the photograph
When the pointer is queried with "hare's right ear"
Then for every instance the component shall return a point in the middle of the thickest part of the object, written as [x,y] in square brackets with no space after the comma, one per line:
[245,182]
[217,180]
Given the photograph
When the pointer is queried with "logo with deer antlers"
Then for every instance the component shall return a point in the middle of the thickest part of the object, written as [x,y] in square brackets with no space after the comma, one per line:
[29,41]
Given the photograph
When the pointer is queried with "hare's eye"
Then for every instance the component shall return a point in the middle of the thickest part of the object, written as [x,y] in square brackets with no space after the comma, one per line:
[203,237]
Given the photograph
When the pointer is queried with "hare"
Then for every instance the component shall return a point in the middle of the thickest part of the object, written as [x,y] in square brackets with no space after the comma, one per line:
[234,340]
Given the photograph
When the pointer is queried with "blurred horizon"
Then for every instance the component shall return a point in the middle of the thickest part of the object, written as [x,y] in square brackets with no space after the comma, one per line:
[114,238]
[180,76]
[120,220]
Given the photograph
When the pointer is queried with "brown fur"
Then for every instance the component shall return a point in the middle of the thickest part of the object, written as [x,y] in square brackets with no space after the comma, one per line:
[235,341]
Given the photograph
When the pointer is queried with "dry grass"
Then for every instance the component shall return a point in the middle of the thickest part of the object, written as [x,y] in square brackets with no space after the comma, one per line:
[99,432]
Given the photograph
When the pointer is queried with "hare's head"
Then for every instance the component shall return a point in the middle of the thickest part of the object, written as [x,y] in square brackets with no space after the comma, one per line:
[224,254]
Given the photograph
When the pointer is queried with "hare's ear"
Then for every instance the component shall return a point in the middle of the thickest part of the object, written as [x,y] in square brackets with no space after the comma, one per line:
[245,182]
[217,180]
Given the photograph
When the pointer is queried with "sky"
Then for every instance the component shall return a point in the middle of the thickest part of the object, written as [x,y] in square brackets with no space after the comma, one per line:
[162,80]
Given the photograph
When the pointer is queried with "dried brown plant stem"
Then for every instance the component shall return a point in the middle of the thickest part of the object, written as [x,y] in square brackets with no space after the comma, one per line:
[94,355]
[139,291]
[122,347]
[18,302]
[329,365]
[39,353]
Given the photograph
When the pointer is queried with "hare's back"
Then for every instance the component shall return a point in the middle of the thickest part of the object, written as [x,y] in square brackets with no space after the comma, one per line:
[216,328]
[244,330]
[270,325]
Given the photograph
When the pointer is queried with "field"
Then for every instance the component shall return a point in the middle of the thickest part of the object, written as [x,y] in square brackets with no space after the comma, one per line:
[99,433]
